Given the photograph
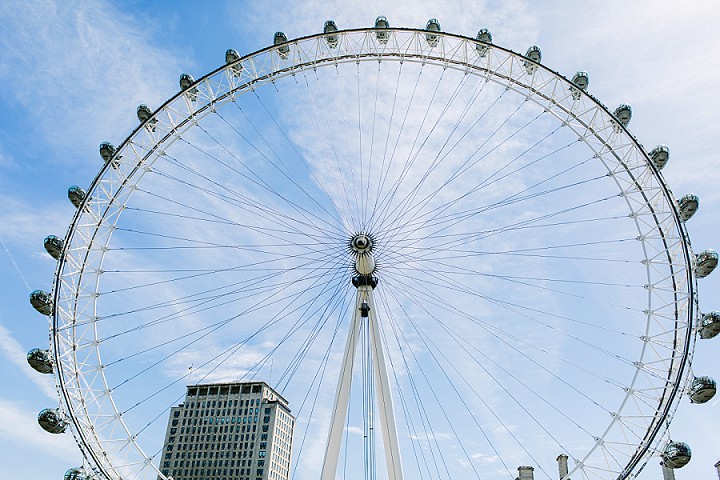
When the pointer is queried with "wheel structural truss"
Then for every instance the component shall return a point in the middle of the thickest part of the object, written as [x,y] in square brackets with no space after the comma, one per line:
[534,293]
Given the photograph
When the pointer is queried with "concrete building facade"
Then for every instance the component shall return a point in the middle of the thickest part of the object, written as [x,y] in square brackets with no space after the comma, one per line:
[223,431]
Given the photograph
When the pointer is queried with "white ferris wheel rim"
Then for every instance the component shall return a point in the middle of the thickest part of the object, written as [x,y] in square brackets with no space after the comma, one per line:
[79,273]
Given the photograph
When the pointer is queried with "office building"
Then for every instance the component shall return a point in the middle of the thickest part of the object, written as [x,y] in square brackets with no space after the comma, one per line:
[223,431]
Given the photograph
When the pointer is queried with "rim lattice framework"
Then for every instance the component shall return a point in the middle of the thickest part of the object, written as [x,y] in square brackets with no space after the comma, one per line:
[660,368]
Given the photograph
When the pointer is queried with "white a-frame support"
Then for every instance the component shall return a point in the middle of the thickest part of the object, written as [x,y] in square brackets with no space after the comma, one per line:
[364,296]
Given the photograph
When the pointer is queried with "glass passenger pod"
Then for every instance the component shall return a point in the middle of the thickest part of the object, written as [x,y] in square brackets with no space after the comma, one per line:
[676,454]
[702,389]
[687,206]
[382,36]
[623,114]
[107,152]
[331,27]
[710,325]
[706,262]
[52,421]
[232,56]
[144,114]
[660,155]
[42,302]
[580,80]
[40,360]
[280,40]
[76,473]
[76,195]
[186,85]
[54,246]
[533,56]
[432,25]
[484,36]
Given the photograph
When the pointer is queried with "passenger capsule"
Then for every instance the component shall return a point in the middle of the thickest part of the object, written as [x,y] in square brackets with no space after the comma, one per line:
[702,389]
[382,36]
[107,150]
[332,40]
[623,114]
[676,454]
[41,302]
[40,360]
[687,206]
[281,40]
[52,421]
[144,114]
[232,56]
[76,473]
[432,25]
[76,195]
[54,245]
[187,81]
[534,56]
[660,156]
[484,36]
[710,325]
[581,79]
[706,262]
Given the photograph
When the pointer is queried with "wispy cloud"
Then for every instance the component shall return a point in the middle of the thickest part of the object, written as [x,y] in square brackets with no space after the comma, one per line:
[87,85]
[20,428]
[15,354]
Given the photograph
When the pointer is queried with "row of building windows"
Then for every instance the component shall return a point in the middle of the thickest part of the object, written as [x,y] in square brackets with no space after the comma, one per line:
[212,463]
[225,390]
[210,412]
[235,448]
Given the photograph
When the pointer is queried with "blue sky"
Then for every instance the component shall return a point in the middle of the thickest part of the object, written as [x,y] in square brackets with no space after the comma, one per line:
[74,72]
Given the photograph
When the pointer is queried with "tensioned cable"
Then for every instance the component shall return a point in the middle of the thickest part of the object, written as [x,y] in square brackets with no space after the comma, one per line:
[400,210]
[435,214]
[320,126]
[246,202]
[432,296]
[277,272]
[465,344]
[428,342]
[432,391]
[466,217]
[292,144]
[285,172]
[413,153]
[192,310]
[523,223]
[452,284]
[416,395]
[301,210]
[415,156]
[402,128]
[259,304]
[230,351]
[403,210]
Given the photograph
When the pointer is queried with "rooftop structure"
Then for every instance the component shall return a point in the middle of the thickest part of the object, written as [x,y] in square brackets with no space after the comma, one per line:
[221,431]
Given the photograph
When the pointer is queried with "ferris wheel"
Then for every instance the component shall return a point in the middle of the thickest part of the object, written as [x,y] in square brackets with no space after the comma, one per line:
[434,247]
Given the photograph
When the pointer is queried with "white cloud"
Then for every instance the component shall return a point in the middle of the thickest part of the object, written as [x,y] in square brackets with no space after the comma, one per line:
[19,428]
[15,354]
[79,69]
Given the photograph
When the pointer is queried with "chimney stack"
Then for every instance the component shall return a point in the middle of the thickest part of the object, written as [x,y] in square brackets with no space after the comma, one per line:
[525,473]
[562,465]
[668,473]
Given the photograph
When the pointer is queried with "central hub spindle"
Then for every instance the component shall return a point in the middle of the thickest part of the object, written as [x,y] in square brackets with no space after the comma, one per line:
[361,245]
